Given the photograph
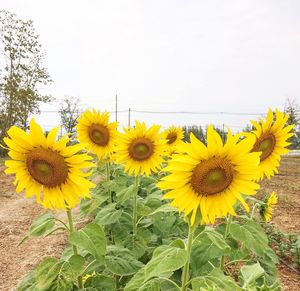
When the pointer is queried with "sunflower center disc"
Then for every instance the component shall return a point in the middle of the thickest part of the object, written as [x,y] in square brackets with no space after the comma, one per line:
[140,149]
[47,167]
[212,176]
[99,134]
[266,145]
[171,137]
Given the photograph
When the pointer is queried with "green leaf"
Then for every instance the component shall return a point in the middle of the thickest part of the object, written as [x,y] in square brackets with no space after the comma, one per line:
[166,259]
[120,262]
[164,208]
[268,262]
[251,272]
[169,260]
[52,274]
[126,194]
[121,230]
[151,285]
[42,224]
[216,280]
[89,206]
[46,272]
[90,238]
[251,235]
[209,245]
[27,283]
[108,215]
[76,264]
[100,283]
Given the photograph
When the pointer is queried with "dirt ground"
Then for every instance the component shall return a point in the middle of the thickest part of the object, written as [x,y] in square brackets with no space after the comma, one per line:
[17,214]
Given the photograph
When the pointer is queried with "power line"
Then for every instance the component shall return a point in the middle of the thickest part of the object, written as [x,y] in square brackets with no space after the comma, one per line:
[196,112]
[175,112]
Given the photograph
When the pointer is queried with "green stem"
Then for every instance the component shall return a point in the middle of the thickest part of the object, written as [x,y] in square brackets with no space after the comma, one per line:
[227,229]
[75,251]
[108,179]
[134,206]
[185,273]
[66,227]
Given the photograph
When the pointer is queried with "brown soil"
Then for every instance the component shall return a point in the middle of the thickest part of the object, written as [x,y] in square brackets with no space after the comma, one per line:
[286,215]
[17,214]
[286,185]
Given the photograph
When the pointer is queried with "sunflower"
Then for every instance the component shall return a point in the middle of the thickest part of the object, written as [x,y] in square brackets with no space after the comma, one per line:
[211,178]
[140,149]
[94,129]
[46,168]
[267,209]
[271,141]
[174,136]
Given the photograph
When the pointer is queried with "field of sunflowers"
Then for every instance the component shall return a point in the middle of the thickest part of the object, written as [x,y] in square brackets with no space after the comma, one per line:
[160,213]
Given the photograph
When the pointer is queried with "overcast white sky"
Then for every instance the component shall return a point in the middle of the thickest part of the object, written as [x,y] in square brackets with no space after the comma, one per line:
[235,56]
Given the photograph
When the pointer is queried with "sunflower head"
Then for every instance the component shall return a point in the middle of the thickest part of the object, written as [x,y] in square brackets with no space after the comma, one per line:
[210,179]
[46,168]
[271,140]
[94,129]
[140,149]
[173,136]
[267,209]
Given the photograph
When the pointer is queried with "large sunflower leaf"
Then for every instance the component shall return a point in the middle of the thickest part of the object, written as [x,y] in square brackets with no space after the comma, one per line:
[251,272]
[216,280]
[100,283]
[108,215]
[165,260]
[126,193]
[52,274]
[121,262]
[209,245]
[251,235]
[90,238]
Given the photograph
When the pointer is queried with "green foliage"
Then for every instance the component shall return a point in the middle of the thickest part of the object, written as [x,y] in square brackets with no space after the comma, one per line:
[100,283]
[208,246]
[215,280]
[251,235]
[23,72]
[92,239]
[40,226]
[111,257]
[120,261]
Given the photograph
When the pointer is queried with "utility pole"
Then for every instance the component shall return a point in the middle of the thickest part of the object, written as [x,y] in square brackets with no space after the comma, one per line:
[116,107]
[129,111]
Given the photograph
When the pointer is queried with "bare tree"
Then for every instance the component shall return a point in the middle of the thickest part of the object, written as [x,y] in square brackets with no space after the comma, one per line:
[69,111]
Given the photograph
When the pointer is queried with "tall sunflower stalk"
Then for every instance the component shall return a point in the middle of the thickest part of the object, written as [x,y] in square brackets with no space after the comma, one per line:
[50,170]
[141,151]
[210,179]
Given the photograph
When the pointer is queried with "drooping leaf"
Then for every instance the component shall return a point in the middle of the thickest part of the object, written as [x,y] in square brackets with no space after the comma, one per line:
[251,272]
[42,224]
[251,235]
